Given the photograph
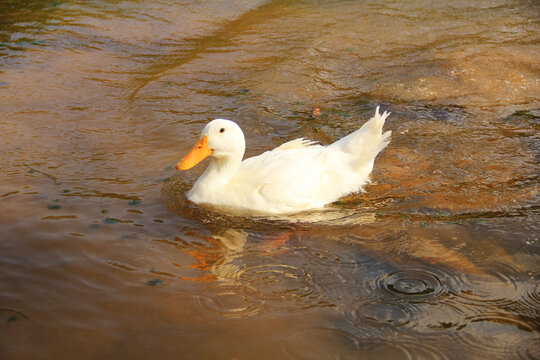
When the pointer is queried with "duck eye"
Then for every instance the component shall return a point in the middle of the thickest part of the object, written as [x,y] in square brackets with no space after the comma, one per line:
[222,130]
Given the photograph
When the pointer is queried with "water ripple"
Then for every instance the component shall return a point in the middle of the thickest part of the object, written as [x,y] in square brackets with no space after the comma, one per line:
[411,285]
[292,286]
[228,301]
[498,336]
[501,295]
[322,254]
[330,343]
[530,350]
[383,314]
[497,284]
[504,319]
[531,293]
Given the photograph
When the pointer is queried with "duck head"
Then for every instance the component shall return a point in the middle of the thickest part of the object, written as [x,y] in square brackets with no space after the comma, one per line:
[222,139]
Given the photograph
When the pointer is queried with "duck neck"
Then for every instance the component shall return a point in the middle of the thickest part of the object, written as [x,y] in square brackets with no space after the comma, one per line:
[220,170]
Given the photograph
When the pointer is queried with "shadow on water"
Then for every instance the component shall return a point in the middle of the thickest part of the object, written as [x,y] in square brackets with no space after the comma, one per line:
[197,46]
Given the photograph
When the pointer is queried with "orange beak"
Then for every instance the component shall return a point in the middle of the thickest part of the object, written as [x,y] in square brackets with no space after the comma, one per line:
[196,155]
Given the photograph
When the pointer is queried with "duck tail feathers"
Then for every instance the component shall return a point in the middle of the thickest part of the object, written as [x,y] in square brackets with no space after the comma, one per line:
[367,141]
[377,121]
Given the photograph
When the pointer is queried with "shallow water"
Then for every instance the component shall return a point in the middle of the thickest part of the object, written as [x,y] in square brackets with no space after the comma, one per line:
[101,256]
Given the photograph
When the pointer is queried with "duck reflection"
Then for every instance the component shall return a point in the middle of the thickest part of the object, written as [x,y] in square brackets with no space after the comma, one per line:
[215,258]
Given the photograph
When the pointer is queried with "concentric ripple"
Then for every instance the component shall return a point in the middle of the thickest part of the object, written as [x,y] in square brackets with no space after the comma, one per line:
[282,282]
[535,293]
[532,293]
[382,314]
[498,336]
[530,350]
[503,319]
[498,282]
[411,285]
[228,301]
[331,255]
[501,295]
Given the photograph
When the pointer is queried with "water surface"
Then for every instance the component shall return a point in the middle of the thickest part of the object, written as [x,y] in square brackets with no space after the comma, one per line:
[101,255]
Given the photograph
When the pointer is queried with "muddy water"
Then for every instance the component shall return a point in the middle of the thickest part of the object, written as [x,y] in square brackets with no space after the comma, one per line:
[102,257]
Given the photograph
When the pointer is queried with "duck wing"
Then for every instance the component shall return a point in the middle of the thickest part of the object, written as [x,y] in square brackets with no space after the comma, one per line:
[289,177]
[301,143]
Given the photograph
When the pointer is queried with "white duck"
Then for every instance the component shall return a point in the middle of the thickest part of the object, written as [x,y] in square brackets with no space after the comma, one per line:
[293,177]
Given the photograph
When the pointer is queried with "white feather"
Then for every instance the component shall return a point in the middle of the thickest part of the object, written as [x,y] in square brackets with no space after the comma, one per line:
[298,175]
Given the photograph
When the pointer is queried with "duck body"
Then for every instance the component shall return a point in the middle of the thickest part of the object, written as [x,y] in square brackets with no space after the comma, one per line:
[296,176]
